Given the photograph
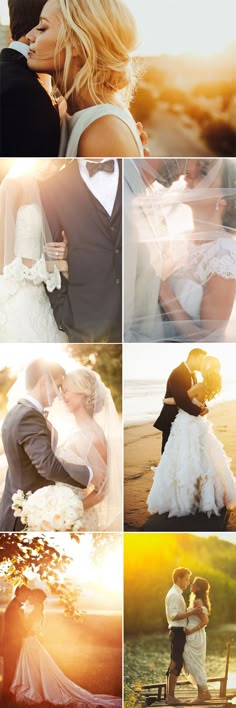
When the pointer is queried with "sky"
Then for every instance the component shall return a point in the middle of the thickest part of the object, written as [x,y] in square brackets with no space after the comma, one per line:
[175,27]
[156,361]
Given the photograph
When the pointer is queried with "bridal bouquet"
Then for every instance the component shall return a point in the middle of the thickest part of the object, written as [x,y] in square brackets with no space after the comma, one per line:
[51,508]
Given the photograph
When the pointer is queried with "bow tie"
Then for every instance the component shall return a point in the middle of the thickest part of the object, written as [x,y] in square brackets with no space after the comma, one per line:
[94,167]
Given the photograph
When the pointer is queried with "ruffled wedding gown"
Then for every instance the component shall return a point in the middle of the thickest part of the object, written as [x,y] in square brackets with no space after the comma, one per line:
[214,257]
[193,474]
[195,653]
[25,311]
[38,679]
[73,126]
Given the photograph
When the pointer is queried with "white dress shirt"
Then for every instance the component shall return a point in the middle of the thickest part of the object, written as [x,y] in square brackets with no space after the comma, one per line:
[20,47]
[103,185]
[174,605]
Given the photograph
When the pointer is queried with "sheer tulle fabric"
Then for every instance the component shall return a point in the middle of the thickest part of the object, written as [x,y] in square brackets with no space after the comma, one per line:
[26,314]
[38,679]
[164,243]
[194,473]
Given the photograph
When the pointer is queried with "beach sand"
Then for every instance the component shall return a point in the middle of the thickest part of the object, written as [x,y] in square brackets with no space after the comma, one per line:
[142,450]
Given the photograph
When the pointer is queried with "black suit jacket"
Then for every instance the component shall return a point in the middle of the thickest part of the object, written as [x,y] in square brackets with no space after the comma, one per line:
[178,384]
[89,305]
[29,123]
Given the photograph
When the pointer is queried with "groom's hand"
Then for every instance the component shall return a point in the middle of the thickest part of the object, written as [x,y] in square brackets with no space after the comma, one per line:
[204,411]
[144,139]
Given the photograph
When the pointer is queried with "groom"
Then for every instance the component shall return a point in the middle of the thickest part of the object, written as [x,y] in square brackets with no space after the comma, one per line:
[29,125]
[179,381]
[13,635]
[26,437]
[177,615]
[84,201]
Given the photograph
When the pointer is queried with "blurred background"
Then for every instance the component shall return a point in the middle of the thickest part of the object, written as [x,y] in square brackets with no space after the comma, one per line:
[185,60]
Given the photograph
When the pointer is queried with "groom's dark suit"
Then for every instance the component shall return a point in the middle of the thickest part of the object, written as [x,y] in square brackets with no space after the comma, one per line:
[29,123]
[31,460]
[179,381]
[13,635]
[88,306]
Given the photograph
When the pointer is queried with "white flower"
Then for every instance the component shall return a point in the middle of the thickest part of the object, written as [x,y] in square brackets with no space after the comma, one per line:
[51,508]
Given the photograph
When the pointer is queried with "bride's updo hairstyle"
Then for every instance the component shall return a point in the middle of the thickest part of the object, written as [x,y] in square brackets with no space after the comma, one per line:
[101,34]
[84,381]
[200,589]
[229,182]
[212,377]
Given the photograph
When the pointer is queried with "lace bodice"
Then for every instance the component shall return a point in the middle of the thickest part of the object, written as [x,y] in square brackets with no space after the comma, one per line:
[73,126]
[216,257]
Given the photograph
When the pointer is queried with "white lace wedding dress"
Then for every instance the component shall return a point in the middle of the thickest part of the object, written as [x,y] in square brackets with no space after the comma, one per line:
[72,127]
[194,473]
[195,653]
[214,257]
[25,311]
[38,679]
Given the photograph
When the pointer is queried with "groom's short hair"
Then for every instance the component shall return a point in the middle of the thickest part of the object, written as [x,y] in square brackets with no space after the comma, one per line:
[197,352]
[38,368]
[24,15]
[180,573]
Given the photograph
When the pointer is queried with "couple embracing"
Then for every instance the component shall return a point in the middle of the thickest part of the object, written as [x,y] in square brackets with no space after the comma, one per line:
[187,633]
[30,673]
[194,473]
[81,51]
[85,471]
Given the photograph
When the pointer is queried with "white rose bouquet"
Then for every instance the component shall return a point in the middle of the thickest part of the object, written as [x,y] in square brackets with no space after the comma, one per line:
[51,508]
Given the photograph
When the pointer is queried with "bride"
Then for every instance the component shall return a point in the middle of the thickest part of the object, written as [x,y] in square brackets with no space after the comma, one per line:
[38,679]
[190,253]
[30,264]
[193,474]
[86,48]
[93,438]
[195,647]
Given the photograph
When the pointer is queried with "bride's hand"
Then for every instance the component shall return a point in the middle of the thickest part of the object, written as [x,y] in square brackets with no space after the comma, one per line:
[94,498]
[57,251]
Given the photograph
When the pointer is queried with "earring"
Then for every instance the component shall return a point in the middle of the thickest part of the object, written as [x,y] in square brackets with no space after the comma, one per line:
[217,204]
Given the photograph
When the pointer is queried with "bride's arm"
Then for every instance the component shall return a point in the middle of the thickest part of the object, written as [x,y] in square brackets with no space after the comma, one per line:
[204,621]
[216,306]
[195,393]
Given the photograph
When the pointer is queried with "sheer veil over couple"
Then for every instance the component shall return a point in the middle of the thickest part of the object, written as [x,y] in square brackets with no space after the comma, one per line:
[30,674]
[194,472]
[180,250]
[187,634]
[75,486]
[86,48]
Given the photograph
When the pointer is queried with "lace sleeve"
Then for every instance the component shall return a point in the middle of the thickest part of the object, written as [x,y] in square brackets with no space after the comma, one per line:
[219,258]
[28,235]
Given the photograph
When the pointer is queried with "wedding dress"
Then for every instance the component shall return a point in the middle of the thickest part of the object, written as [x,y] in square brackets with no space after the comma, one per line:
[25,311]
[193,474]
[73,126]
[38,679]
[195,653]
[214,257]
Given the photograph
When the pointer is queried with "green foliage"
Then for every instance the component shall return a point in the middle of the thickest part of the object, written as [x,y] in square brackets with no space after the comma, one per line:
[149,562]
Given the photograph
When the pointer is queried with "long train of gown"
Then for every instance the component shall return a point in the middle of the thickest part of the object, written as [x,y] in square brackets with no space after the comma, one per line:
[195,653]
[193,473]
[38,679]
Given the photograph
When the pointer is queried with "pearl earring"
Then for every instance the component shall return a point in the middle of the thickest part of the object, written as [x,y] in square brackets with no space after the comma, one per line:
[217,204]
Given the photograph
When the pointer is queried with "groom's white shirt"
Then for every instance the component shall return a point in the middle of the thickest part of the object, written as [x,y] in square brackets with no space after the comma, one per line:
[20,47]
[174,605]
[103,185]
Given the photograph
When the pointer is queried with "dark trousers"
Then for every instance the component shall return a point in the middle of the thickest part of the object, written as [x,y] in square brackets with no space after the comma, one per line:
[177,642]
